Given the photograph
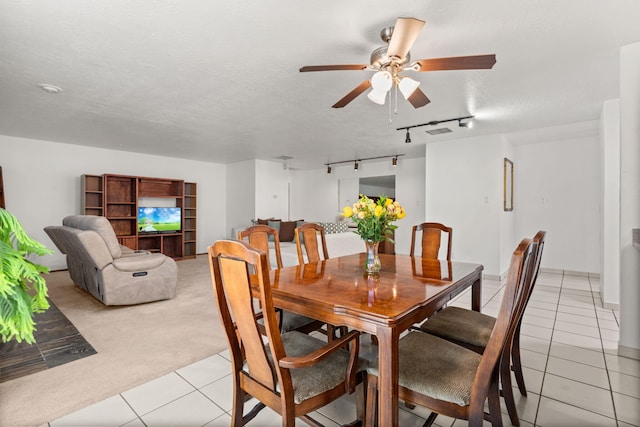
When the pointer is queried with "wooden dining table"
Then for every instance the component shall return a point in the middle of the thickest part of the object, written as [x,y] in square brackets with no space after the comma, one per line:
[406,291]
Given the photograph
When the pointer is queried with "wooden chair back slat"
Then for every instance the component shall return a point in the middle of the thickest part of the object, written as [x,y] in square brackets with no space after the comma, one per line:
[258,237]
[308,244]
[431,239]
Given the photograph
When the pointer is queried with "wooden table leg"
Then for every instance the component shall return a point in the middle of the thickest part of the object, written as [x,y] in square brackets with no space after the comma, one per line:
[387,377]
[476,294]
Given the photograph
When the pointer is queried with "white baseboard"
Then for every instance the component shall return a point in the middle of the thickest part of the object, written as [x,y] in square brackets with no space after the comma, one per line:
[631,353]
[569,272]
[609,305]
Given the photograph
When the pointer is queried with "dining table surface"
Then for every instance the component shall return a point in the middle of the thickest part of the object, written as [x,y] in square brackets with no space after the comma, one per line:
[406,291]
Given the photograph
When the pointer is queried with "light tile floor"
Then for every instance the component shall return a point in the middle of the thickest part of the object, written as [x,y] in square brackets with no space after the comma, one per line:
[572,372]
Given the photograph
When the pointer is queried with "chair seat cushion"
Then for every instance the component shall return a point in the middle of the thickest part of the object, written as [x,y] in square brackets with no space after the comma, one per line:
[323,376]
[435,367]
[460,324]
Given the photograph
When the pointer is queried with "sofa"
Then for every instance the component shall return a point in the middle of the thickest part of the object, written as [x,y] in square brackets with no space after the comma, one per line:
[341,240]
[112,273]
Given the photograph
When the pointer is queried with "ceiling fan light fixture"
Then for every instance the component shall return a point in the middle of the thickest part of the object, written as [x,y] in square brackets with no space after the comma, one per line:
[408,86]
[382,81]
[377,96]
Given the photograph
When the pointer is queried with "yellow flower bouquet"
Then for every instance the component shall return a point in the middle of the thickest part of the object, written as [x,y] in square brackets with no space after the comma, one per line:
[374,218]
[374,224]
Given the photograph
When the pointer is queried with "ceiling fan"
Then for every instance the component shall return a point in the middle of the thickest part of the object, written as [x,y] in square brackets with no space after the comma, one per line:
[391,61]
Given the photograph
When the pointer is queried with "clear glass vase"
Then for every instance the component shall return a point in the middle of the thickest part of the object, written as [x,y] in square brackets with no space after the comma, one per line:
[372,260]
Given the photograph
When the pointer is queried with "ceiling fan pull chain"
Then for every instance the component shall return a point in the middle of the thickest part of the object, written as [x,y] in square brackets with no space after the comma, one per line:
[395,111]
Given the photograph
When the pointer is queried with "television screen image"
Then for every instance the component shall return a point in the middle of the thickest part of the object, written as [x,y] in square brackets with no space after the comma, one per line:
[159,220]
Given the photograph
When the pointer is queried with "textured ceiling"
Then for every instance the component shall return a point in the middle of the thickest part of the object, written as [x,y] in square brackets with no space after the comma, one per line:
[219,81]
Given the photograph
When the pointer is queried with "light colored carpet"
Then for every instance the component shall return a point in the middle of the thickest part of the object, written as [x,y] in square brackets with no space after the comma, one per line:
[134,343]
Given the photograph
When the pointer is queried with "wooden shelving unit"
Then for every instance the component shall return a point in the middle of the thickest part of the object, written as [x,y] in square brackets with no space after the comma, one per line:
[117,198]
[121,207]
[92,195]
[189,218]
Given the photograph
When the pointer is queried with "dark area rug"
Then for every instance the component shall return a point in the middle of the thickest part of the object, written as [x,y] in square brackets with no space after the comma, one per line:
[57,342]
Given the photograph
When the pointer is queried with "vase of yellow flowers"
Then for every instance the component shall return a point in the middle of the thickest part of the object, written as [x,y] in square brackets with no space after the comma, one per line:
[373,219]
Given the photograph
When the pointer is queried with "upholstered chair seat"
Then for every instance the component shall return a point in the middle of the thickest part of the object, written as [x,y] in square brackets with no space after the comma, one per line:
[447,376]
[460,324]
[316,379]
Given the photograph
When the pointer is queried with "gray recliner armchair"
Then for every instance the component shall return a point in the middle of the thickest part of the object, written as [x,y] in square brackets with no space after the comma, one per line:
[114,274]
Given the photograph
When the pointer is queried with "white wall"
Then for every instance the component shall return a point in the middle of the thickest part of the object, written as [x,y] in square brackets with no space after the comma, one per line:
[315,194]
[558,190]
[609,138]
[410,185]
[42,185]
[272,190]
[464,191]
[240,206]
[629,343]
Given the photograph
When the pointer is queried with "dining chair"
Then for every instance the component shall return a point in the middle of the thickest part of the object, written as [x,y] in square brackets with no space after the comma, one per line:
[291,372]
[472,330]
[308,253]
[260,236]
[307,243]
[431,239]
[452,380]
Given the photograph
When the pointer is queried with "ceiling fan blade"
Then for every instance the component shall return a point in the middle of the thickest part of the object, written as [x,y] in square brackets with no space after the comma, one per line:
[418,98]
[345,67]
[353,94]
[404,34]
[476,62]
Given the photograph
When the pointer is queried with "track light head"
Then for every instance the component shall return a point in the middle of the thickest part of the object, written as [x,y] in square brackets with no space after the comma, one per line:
[408,138]
[394,162]
[329,169]
[462,124]
[355,166]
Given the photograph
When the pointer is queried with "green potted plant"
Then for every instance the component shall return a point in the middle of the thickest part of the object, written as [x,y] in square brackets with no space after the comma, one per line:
[23,290]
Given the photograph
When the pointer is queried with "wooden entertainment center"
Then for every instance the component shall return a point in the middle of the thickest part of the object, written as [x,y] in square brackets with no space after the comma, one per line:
[117,197]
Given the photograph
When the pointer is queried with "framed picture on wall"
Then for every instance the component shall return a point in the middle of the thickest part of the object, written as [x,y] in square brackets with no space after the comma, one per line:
[508,185]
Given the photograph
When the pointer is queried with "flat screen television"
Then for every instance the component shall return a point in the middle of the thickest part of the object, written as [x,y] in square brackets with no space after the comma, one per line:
[159,220]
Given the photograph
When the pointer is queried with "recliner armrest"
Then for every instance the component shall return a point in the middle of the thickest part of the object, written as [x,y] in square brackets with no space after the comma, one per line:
[126,251]
[140,263]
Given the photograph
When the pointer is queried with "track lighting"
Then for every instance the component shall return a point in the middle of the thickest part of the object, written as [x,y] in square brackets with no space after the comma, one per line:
[467,123]
[356,162]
